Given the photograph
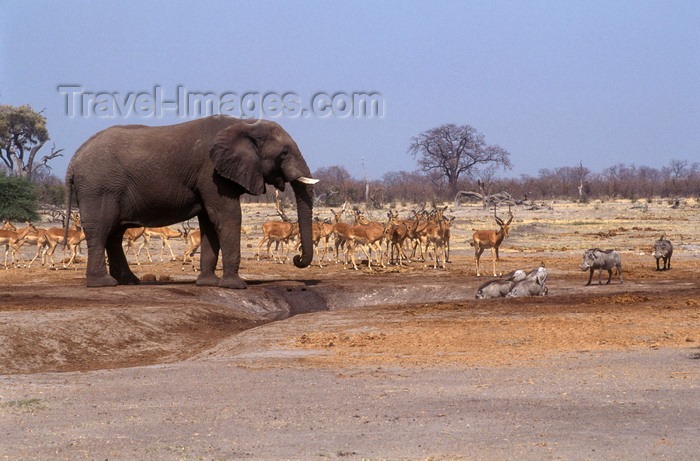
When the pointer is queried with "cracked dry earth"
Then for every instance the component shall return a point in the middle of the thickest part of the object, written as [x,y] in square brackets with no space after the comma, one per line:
[329,363]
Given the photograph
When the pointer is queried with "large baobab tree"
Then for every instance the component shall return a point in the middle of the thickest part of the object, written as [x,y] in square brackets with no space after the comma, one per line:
[22,133]
[455,151]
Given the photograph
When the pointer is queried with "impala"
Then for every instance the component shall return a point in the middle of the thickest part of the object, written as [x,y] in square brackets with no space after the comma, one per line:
[340,230]
[492,239]
[73,239]
[438,235]
[378,227]
[70,238]
[45,239]
[131,235]
[48,239]
[40,239]
[368,234]
[194,240]
[396,233]
[320,231]
[325,231]
[164,233]
[418,236]
[7,225]
[13,239]
[279,232]
[447,232]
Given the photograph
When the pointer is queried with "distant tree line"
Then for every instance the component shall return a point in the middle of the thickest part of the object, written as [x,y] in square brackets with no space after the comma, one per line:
[455,161]
[678,179]
[20,198]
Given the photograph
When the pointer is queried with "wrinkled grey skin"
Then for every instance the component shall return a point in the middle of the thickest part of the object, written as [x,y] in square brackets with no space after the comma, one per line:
[663,249]
[499,287]
[601,259]
[134,175]
[532,285]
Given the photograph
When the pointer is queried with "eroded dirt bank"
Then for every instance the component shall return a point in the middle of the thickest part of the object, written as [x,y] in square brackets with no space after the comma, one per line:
[330,363]
[417,315]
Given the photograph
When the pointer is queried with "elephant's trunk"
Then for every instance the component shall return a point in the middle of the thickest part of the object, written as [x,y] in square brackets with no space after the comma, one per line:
[304,194]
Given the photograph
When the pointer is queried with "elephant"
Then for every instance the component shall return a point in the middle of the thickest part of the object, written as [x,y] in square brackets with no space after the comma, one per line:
[135,175]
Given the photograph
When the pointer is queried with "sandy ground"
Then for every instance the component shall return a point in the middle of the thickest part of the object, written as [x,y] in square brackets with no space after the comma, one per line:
[391,364]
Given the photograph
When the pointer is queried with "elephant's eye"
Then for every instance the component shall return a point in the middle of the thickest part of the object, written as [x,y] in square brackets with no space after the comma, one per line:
[284,153]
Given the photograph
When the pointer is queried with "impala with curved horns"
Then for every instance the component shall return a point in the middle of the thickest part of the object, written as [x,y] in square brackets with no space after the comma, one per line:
[492,239]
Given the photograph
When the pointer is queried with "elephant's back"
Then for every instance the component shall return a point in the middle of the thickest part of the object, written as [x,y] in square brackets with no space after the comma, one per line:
[133,158]
[151,142]
[110,141]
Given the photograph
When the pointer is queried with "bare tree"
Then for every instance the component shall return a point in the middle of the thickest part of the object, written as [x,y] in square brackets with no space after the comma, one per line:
[452,151]
[22,133]
[366,181]
[678,169]
[583,188]
[279,207]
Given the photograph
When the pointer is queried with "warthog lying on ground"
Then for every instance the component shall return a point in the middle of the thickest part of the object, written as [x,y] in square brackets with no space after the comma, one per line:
[663,249]
[499,287]
[532,285]
[601,259]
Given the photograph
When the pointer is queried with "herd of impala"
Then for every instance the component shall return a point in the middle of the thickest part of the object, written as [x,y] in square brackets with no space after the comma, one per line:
[46,241]
[396,241]
[424,234]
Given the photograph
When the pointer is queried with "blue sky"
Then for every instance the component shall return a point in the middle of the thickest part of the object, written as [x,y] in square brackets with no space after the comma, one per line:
[553,83]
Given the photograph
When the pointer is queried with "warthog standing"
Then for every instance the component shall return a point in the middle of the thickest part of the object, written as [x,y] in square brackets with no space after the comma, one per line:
[601,259]
[532,285]
[663,249]
[499,287]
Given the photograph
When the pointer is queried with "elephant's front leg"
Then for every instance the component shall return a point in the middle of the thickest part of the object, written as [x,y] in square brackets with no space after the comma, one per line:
[209,256]
[229,232]
[222,233]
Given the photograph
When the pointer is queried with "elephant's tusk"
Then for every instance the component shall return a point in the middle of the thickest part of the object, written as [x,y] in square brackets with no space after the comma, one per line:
[306,180]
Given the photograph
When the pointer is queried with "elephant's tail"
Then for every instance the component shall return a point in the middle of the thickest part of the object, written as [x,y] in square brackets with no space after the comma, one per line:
[69,202]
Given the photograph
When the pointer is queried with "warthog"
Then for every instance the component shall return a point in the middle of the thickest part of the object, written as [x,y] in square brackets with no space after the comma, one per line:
[663,249]
[532,285]
[601,259]
[499,287]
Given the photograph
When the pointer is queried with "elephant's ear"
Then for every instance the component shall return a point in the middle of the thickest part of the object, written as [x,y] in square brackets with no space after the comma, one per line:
[235,157]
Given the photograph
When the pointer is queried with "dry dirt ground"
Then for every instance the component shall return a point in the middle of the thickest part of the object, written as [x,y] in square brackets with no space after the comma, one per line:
[390,364]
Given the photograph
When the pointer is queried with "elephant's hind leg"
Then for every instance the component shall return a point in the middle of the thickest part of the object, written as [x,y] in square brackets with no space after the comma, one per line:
[96,273]
[118,266]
